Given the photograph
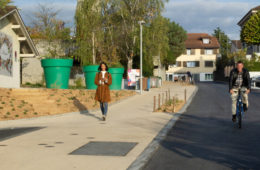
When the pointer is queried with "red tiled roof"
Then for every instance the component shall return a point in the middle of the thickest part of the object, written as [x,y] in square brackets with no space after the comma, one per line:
[194,41]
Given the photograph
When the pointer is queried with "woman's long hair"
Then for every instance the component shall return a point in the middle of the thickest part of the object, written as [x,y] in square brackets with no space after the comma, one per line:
[99,68]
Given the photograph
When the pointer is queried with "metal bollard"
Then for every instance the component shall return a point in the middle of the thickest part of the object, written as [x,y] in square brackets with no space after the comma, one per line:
[162,98]
[185,95]
[173,103]
[166,97]
[154,104]
[159,99]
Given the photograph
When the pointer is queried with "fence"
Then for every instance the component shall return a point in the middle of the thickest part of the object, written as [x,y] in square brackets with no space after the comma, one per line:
[160,100]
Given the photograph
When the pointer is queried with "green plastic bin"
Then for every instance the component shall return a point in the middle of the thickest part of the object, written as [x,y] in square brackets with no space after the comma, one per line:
[57,72]
[90,74]
[117,76]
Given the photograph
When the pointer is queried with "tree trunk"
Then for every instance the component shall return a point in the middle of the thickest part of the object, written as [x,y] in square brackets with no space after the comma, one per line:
[130,63]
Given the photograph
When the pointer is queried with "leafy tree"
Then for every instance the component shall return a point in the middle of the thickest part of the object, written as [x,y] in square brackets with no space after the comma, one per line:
[129,13]
[177,37]
[46,26]
[223,40]
[225,47]
[88,24]
[250,33]
[4,3]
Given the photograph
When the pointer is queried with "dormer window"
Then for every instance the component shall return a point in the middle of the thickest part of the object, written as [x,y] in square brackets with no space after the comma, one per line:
[205,40]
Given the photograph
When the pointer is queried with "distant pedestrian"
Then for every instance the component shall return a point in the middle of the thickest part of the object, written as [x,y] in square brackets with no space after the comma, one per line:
[103,80]
[189,76]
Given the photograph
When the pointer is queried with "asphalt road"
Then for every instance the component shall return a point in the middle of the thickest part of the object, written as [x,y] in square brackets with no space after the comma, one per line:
[205,138]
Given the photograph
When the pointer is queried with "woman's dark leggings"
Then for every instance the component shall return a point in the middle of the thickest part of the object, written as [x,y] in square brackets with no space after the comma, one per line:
[104,108]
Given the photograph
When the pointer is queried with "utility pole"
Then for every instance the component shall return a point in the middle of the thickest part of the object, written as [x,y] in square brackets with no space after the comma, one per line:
[141,55]
[93,47]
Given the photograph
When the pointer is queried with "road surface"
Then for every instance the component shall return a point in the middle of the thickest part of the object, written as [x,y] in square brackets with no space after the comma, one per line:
[205,137]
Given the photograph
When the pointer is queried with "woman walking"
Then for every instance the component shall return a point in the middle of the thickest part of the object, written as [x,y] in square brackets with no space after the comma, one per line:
[103,80]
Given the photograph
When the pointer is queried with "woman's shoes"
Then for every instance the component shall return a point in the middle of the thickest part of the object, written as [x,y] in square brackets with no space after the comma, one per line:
[104,118]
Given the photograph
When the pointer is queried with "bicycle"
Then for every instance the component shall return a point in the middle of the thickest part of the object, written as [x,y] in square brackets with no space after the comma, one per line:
[240,109]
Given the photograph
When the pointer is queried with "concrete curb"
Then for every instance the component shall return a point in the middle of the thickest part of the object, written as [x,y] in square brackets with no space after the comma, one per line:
[145,156]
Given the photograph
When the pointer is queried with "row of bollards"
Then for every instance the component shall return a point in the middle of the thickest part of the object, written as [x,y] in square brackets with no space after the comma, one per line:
[167,98]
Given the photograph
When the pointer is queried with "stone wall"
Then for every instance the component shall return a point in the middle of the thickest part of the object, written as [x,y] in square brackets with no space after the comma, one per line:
[32,72]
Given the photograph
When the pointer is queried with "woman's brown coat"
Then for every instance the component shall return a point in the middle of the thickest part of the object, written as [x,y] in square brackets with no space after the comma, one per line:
[103,92]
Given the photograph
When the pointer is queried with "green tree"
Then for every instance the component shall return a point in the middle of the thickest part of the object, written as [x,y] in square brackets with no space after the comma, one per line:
[250,33]
[46,26]
[155,43]
[225,47]
[129,13]
[88,25]
[4,3]
[177,37]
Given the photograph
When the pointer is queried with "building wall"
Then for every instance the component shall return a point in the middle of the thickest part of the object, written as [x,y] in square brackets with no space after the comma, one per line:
[197,57]
[14,80]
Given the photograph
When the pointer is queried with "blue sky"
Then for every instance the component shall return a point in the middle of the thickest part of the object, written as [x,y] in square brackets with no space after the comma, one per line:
[193,15]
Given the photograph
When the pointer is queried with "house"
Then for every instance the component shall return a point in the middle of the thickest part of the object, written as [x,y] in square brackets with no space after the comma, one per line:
[15,45]
[236,45]
[251,49]
[199,58]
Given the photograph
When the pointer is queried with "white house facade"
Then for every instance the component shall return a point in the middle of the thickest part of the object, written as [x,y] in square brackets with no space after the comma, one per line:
[199,59]
[15,43]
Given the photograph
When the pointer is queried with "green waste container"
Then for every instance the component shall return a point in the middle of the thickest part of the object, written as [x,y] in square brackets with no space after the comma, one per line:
[90,74]
[117,76]
[57,72]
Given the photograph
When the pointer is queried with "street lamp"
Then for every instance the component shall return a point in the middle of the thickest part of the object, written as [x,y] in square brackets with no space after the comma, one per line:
[141,55]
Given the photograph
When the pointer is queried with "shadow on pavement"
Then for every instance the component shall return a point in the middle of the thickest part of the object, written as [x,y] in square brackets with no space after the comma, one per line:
[226,145]
[84,110]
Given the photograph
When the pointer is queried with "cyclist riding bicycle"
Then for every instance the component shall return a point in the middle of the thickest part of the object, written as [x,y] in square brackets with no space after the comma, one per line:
[239,79]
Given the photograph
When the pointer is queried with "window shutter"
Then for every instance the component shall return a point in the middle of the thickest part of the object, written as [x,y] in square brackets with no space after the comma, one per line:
[184,64]
[215,51]
[192,51]
[202,51]
[197,64]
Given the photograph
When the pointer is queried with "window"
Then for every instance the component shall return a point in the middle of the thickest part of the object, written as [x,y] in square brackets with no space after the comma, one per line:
[208,77]
[205,40]
[188,51]
[191,64]
[209,63]
[170,77]
[208,51]
[178,63]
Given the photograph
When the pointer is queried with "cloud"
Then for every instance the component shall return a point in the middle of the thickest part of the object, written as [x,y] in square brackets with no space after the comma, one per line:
[206,15]
[193,15]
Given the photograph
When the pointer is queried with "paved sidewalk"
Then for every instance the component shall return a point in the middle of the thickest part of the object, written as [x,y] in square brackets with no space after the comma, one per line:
[131,120]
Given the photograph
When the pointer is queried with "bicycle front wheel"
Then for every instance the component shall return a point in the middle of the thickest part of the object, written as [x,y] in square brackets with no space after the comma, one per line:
[240,121]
